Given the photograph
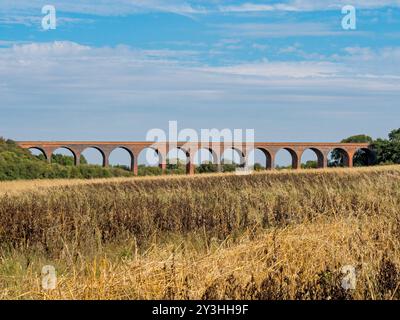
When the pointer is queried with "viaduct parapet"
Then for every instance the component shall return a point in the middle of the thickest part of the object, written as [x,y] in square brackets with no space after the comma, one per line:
[270,149]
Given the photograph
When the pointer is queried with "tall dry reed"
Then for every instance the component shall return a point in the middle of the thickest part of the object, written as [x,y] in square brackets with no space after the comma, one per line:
[264,236]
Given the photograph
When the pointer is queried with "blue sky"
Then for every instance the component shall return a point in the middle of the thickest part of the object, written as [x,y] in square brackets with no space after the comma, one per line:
[112,70]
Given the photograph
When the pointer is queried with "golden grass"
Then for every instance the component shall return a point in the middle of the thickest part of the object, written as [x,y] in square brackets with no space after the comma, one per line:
[16,186]
[271,235]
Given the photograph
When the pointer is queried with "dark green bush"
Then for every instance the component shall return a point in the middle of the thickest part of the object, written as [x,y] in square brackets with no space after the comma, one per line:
[17,163]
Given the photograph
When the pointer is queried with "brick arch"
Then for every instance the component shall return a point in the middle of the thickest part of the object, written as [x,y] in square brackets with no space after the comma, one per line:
[162,157]
[190,167]
[294,155]
[241,153]
[322,162]
[269,160]
[214,155]
[75,153]
[102,152]
[186,152]
[104,148]
[347,154]
[370,156]
[41,150]
[179,148]
[130,152]
[156,150]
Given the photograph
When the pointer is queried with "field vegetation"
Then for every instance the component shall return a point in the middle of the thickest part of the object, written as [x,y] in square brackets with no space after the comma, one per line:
[275,235]
[269,235]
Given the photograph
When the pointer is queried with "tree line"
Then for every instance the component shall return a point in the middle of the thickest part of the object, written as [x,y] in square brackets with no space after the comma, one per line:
[385,151]
[17,163]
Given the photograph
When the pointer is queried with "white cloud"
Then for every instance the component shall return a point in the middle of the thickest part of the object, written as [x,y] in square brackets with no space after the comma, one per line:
[264,30]
[30,20]
[368,54]
[184,7]
[65,90]
[267,69]
[307,5]
[105,7]
[67,75]
[291,49]
[53,49]
[255,7]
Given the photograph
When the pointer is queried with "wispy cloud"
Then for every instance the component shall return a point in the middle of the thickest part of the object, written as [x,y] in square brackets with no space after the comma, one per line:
[253,7]
[69,74]
[280,29]
[306,5]
[269,70]
[105,7]
[69,90]
[187,7]
[30,20]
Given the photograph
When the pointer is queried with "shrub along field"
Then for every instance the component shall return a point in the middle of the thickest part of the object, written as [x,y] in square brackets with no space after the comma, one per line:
[277,235]
[17,163]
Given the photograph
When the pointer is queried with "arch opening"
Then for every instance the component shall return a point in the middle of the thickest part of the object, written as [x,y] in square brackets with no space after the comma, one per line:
[286,158]
[64,156]
[149,162]
[121,158]
[338,158]
[38,153]
[177,160]
[93,156]
[259,159]
[206,161]
[364,157]
[231,159]
[312,158]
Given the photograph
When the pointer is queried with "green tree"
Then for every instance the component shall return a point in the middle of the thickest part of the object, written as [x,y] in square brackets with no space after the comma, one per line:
[311,164]
[175,166]
[388,150]
[207,167]
[258,167]
[361,158]
[144,170]
[18,163]
[229,167]
[394,135]
[360,138]
[62,159]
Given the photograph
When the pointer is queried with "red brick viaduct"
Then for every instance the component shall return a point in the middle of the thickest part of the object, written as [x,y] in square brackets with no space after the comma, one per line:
[296,149]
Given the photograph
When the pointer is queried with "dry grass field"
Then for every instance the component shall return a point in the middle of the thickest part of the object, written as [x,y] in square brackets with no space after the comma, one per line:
[273,235]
